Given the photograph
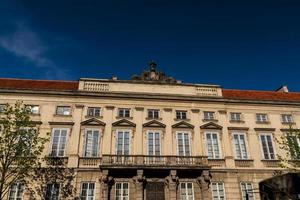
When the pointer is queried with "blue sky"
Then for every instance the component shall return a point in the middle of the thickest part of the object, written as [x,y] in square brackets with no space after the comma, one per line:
[237,44]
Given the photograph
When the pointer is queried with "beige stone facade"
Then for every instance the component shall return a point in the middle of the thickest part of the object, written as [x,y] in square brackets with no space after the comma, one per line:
[192,143]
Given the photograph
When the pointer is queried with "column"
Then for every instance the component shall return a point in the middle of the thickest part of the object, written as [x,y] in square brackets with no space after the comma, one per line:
[139,181]
[105,184]
[204,183]
[172,183]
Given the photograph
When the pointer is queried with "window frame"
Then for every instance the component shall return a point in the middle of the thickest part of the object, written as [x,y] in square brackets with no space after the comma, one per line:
[94,111]
[184,149]
[219,144]
[122,190]
[273,146]
[259,117]
[85,142]
[235,118]
[246,145]
[180,112]
[218,190]
[246,183]
[30,106]
[152,111]
[160,142]
[207,116]
[15,197]
[62,114]
[2,108]
[285,116]
[66,144]
[123,144]
[87,197]
[51,192]
[186,190]
[124,112]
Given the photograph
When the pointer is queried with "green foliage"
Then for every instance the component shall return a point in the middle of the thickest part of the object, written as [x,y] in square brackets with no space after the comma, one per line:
[20,146]
[290,143]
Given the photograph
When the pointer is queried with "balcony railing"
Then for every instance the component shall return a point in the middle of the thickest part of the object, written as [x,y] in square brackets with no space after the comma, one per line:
[120,161]
[93,162]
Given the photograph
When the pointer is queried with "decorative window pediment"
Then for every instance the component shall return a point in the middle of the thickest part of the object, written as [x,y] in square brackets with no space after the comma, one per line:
[183,124]
[92,122]
[211,125]
[154,123]
[124,123]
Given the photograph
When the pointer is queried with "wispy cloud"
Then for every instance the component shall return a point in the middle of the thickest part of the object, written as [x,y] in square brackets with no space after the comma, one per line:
[27,44]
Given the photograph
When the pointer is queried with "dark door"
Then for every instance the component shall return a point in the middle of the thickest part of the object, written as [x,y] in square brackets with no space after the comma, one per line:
[155,191]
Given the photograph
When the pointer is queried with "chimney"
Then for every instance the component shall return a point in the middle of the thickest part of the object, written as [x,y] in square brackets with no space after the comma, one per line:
[114,78]
[283,88]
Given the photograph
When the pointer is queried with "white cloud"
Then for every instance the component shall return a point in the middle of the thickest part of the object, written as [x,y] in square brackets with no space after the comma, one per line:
[27,44]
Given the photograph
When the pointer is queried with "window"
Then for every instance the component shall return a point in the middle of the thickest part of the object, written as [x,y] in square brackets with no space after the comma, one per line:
[239,140]
[124,112]
[247,190]
[63,110]
[285,118]
[267,146]
[93,112]
[122,191]
[16,191]
[123,142]
[261,117]
[212,144]
[186,191]
[183,144]
[52,191]
[34,109]
[209,115]
[153,143]
[235,116]
[87,191]
[218,192]
[92,137]
[2,108]
[181,114]
[153,114]
[293,141]
[59,141]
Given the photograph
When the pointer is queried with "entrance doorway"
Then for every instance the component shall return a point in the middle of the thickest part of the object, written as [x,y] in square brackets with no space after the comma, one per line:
[155,191]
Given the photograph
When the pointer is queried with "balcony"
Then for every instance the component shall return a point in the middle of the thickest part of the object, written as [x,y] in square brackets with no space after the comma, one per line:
[89,162]
[167,162]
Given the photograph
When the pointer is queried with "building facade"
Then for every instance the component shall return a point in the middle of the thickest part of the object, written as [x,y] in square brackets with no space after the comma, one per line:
[154,137]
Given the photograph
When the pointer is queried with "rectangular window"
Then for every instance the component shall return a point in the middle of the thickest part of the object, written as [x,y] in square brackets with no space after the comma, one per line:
[87,191]
[261,117]
[34,109]
[59,142]
[123,142]
[181,114]
[153,114]
[235,116]
[124,112]
[209,115]
[186,191]
[122,191]
[183,144]
[218,191]
[212,145]
[52,191]
[294,145]
[16,191]
[93,112]
[285,118]
[63,110]
[92,138]
[153,143]
[247,191]
[2,108]
[240,146]
[267,146]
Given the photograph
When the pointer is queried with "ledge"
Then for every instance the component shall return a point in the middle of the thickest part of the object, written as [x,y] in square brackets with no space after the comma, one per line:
[62,123]
[259,122]
[244,162]
[264,129]
[238,128]
[271,163]
[237,121]
[209,120]
[67,116]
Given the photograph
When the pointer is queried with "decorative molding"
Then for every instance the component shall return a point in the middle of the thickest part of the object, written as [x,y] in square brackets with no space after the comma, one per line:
[62,123]
[288,129]
[211,125]
[264,129]
[195,110]
[110,107]
[92,122]
[183,124]
[238,128]
[139,108]
[222,111]
[168,109]
[79,106]
[155,124]
[124,123]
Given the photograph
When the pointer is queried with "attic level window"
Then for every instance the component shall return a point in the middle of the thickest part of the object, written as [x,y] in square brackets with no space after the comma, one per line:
[34,109]
[2,108]
[63,110]
[181,114]
[261,117]
[153,114]
[235,116]
[287,118]
[94,111]
[209,115]
[124,112]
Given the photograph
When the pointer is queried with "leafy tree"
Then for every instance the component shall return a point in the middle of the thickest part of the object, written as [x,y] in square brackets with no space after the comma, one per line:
[20,146]
[290,143]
